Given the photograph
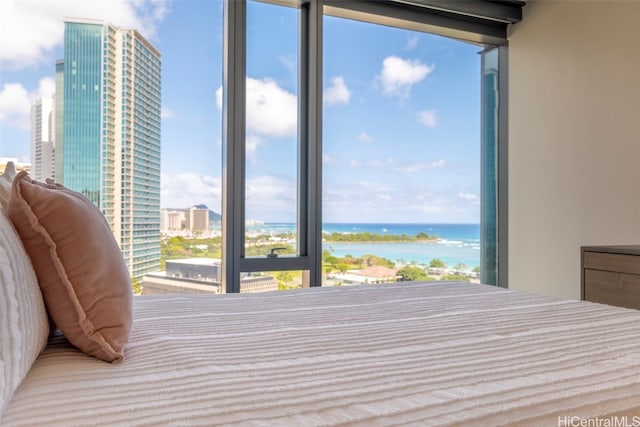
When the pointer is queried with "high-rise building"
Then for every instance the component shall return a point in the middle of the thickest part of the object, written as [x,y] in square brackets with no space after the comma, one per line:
[42,139]
[198,219]
[172,219]
[109,123]
[489,176]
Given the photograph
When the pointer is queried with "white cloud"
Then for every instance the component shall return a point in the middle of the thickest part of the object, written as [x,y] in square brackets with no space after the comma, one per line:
[384,163]
[289,62]
[365,137]
[399,75]
[14,105]
[337,93]
[268,198]
[36,27]
[417,167]
[251,145]
[15,102]
[46,88]
[271,110]
[379,200]
[428,118]
[167,113]
[412,42]
[187,189]
[355,163]
[271,199]
[473,199]
[219,98]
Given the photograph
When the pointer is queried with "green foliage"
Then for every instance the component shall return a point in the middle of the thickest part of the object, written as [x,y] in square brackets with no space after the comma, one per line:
[286,279]
[371,260]
[455,277]
[343,267]
[137,286]
[211,247]
[367,237]
[476,269]
[284,276]
[409,274]
[437,263]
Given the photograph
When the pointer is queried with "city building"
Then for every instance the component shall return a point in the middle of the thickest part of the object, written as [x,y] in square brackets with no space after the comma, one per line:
[194,219]
[43,139]
[108,132]
[172,219]
[198,219]
[200,275]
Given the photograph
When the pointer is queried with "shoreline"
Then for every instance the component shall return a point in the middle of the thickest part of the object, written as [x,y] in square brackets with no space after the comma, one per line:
[374,242]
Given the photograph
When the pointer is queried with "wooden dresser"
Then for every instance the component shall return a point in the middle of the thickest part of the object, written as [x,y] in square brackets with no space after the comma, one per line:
[611,275]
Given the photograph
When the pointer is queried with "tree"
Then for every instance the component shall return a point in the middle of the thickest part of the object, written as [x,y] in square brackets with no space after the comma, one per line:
[409,274]
[437,263]
[371,260]
[137,286]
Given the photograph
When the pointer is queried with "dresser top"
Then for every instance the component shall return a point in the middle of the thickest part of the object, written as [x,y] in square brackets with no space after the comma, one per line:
[614,249]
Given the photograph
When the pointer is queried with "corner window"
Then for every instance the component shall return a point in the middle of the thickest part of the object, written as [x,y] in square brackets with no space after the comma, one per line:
[395,131]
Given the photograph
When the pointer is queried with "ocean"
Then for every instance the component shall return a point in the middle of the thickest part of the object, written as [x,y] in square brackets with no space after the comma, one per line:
[457,243]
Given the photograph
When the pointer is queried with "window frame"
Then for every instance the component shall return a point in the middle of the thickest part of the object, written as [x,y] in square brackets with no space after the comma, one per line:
[483,22]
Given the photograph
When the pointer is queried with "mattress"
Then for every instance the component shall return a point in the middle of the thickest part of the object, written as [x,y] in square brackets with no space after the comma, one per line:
[432,353]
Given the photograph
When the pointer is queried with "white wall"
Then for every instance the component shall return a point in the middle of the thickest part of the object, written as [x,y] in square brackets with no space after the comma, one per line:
[574,138]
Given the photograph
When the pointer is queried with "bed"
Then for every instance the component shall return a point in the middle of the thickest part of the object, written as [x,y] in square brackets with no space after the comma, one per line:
[410,353]
[433,353]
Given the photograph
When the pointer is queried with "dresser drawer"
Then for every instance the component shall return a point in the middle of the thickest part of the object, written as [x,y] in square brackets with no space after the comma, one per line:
[612,288]
[612,262]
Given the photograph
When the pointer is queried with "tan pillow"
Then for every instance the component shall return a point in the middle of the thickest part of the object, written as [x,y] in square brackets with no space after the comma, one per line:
[80,269]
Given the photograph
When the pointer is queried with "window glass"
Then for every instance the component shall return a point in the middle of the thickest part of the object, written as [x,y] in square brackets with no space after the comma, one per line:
[271,145]
[401,155]
[190,40]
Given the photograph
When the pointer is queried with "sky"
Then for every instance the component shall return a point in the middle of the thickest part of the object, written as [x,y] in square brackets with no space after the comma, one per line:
[401,116]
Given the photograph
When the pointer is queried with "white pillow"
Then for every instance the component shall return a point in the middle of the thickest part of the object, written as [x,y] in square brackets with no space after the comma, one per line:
[6,179]
[24,326]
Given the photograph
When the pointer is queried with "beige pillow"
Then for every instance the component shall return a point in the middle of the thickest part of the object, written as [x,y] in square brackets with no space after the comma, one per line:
[6,179]
[80,269]
[24,326]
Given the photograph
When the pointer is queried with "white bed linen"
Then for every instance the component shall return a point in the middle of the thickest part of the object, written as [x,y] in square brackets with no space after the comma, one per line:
[402,354]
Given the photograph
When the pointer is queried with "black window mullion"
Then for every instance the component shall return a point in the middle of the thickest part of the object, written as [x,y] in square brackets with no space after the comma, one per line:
[233,142]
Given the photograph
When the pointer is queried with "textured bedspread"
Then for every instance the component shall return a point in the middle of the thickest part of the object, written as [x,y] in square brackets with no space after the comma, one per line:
[401,354]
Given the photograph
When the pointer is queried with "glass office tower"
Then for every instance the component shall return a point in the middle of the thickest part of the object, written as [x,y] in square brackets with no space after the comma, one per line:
[109,82]
[489,179]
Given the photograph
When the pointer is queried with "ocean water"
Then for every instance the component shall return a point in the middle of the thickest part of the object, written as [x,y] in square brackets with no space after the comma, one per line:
[457,243]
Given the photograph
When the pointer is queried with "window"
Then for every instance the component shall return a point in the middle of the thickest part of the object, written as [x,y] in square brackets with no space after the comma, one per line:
[482,23]
[253,106]
[401,155]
